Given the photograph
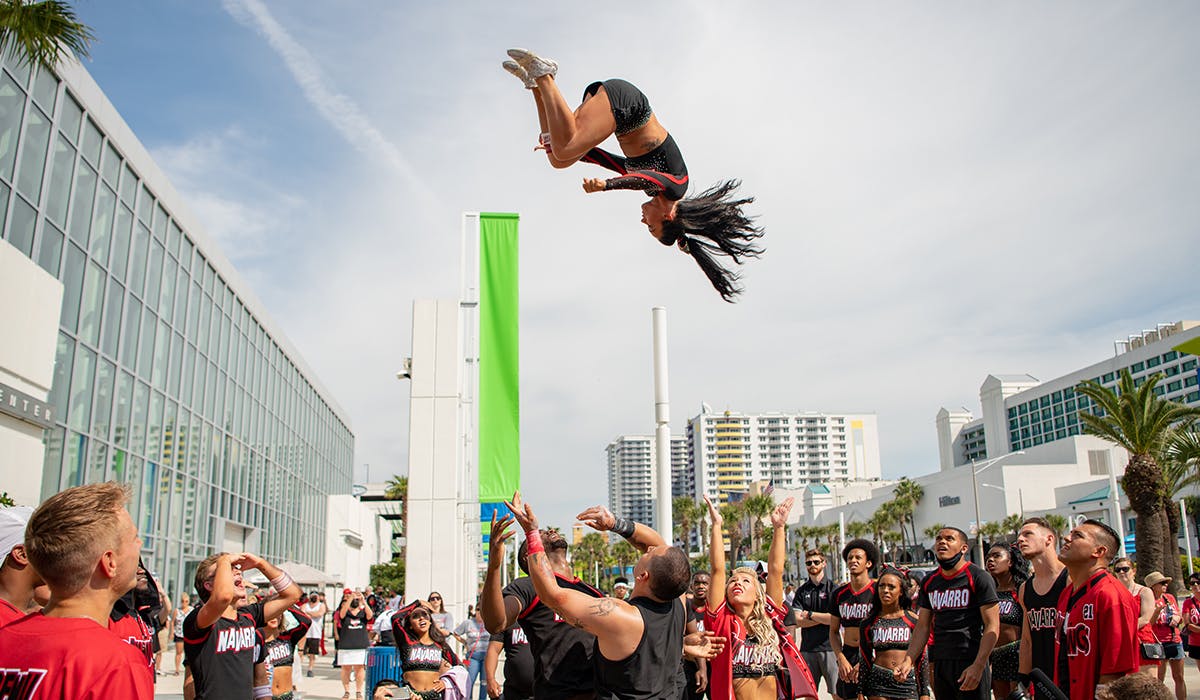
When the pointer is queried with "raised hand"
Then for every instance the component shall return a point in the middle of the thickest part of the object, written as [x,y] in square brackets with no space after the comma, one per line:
[593,184]
[598,518]
[714,513]
[780,514]
[500,533]
[245,561]
[522,512]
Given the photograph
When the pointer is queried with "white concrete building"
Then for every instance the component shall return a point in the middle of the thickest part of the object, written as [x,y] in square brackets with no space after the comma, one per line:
[1019,412]
[730,450]
[356,538]
[31,299]
[632,487]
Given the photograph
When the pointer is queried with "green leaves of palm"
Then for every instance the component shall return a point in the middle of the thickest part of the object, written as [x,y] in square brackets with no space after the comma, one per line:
[40,32]
[1133,417]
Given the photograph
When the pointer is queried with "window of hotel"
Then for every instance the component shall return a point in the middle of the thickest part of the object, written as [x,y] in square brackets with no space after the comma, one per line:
[81,204]
[154,275]
[1153,361]
[90,304]
[62,164]
[1174,386]
[33,154]
[63,357]
[79,415]
[133,320]
[106,375]
[72,279]
[112,318]
[50,248]
[146,340]
[101,229]
[137,259]
[1111,376]
[1189,380]
[110,167]
[129,184]
[92,142]
[1137,367]
[45,89]
[1189,365]
[71,117]
[12,108]
[121,238]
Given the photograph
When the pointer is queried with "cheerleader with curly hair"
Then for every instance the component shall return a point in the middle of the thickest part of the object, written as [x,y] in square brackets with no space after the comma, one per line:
[1009,570]
[710,224]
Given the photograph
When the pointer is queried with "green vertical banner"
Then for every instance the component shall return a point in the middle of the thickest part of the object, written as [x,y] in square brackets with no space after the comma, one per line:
[499,385]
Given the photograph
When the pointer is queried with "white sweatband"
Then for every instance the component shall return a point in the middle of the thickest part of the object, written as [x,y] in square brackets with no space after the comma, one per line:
[262,691]
[281,582]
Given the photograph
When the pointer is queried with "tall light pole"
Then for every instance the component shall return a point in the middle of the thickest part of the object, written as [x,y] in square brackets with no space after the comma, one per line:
[975,471]
[662,429]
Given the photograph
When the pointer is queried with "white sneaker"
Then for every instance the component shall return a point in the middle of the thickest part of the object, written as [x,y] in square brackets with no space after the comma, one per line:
[522,75]
[534,65]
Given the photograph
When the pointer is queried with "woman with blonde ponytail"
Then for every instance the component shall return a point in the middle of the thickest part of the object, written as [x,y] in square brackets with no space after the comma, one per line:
[760,660]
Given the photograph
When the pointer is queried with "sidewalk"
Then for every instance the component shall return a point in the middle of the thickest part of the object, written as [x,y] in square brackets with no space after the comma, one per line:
[326,683]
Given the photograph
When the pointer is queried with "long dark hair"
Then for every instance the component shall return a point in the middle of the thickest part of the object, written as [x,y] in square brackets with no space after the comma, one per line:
[1018,567]
[712,223]
[904,601]
[434,633]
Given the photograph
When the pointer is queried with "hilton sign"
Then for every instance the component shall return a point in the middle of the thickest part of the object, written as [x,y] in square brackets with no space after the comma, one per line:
[24,407]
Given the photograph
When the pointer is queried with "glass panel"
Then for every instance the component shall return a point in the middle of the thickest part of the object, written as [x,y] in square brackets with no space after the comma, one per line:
[185,387]
[81,203]
[72,279]
[106,376]
[90,303]
[12,107]
[120,466]
[149,496]
[137,258]
[137,421]
[106,208]
[73,464]
[79,416]
[133,319]
[63,358]
[45,89]
[158,373]
[97,464]
[92,141]
[181,298]
[154,427]
[121,238]
[33,155]
[71,117]
[121,410]
[153,274]
[50,248]
[145,205]
[112,318]
[166,297]
[61,169]
[160,223]
[174,234]
[146,347]
[176,360]
[111,169]
[129,183]
[20,233]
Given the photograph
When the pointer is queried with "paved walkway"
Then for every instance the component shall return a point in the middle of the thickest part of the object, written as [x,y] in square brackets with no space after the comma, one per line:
[326,683]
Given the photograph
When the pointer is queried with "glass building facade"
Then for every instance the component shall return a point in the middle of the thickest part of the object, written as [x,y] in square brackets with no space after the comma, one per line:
[167,377]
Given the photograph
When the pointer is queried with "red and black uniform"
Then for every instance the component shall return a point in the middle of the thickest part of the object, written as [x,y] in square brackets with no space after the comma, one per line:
[281,651]
[222,656]
[879,634]
[1041,610]
[654,670]
[739,658]
[956,600]
[130,628]
[415,656]
[851,608]
[1006,660]
[9,613]
[562,654]
[690,668]
[53,657]
[518,663]
[1096,635]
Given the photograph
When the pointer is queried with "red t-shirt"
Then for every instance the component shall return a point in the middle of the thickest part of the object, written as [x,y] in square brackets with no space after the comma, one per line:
[1097,628]
[1191,614]
[1164,630]
[52,657]
[9,613]
[132,630]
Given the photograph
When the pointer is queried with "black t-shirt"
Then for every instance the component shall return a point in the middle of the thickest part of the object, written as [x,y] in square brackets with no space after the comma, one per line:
[518,663]
[817,598]
[562,654]
[222,657]
[652,671]
[852,607]
[352,630]
[1042,612]
[955,600]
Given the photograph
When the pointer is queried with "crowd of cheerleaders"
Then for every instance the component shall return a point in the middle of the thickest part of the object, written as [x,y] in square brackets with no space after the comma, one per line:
[1064,618]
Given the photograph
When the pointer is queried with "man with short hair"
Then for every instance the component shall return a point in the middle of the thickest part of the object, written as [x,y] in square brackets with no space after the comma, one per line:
[1096,643]
[620,589]
[959,605]
[219,635]
[314,607]
[639,644]
[18,580]
[695,672]
[85,547]
[1039,598]
[811,607]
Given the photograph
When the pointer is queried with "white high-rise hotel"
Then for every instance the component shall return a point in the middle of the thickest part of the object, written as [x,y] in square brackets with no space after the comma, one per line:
[728,451]
[631,485]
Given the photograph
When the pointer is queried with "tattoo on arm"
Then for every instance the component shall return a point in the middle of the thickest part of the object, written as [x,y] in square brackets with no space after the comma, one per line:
[603,607]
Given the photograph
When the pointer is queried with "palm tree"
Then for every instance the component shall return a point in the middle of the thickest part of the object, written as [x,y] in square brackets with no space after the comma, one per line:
[624,554]
[1180,460]
[910,493]
[1012,527]
[757,508]
[397,490]
[932,531]
[732,514]
[1138,420]
[687,512]
[1058,523]
[41,32]
[589,554]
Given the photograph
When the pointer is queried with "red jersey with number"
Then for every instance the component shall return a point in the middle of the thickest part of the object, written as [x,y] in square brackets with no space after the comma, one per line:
[53,657]
[1096,633]
[9,613]
[132,630]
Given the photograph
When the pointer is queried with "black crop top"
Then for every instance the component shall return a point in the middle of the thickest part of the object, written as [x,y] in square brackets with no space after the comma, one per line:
[415,656]
[1011,612]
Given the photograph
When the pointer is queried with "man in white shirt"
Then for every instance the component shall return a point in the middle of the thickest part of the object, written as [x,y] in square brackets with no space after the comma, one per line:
[314,608]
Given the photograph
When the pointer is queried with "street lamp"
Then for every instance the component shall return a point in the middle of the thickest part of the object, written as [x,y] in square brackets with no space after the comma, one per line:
[975,489]
[1020,496]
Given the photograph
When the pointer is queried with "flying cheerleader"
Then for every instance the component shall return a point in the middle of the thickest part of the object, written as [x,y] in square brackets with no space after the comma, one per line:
[711,223]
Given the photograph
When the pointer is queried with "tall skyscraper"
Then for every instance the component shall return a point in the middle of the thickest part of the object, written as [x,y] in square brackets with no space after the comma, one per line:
[631,485]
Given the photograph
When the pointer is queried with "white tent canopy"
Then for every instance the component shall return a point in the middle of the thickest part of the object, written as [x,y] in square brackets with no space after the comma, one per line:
[302,574]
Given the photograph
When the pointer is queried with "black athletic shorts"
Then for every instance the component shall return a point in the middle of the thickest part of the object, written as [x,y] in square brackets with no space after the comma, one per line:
[844,689]
[630,108]
[312,646]
[945,680]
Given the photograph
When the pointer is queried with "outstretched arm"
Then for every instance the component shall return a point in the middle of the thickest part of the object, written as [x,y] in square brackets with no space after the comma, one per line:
[639,535]
[716,558]
[777,558]
[606,618]
[499,612]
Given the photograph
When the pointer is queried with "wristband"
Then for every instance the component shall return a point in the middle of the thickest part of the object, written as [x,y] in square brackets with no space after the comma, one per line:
[281,582]
[533,540]
[262,691]
[623,527]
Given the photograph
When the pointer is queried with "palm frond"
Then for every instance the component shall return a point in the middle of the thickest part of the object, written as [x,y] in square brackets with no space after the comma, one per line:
[41,32]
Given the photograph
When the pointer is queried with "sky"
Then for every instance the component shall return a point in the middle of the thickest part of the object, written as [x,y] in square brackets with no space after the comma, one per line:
[948,190]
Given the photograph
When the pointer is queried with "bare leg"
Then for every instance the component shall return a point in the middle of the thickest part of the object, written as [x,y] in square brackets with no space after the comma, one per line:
[572,134]
[346,679]
[1177,676]
[360,679]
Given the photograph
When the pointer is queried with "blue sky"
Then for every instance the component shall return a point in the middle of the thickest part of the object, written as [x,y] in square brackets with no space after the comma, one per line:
[948,191]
